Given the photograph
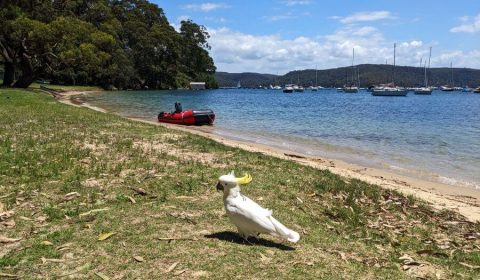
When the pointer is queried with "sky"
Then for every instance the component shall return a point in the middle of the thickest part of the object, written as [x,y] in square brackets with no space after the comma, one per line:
[279,36]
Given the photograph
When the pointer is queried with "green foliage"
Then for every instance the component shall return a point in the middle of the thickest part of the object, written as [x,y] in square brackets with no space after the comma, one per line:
[122,44]
[369,74]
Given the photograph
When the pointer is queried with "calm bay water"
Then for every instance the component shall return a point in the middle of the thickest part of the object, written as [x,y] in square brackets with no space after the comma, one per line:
[436,137]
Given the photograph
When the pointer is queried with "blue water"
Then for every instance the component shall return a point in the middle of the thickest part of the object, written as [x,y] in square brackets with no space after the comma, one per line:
[436,137]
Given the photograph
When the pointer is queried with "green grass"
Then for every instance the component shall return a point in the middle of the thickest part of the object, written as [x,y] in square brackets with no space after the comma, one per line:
[349,229]
[65,88]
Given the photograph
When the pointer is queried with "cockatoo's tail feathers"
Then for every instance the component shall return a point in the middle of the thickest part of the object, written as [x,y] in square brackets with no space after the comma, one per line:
[284,232]
[294,237]
[232,173]
[244,180]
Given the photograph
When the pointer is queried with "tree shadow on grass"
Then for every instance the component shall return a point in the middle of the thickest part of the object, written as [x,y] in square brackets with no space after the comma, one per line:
[236,238]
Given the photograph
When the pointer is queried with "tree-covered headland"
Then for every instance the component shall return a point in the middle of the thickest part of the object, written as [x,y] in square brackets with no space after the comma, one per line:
[109,43]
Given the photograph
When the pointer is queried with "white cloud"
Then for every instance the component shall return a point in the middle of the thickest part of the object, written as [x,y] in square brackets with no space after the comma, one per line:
[364,16]
[469,25]
[180,18]
[206,7]
[216,20]
[234,51]
[297,2]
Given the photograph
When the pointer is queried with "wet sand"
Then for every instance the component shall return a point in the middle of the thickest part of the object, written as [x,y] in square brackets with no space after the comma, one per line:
[465,201]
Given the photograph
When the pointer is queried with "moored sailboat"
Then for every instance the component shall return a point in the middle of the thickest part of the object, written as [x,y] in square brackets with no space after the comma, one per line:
[390,91]
[352,88]
[425,90]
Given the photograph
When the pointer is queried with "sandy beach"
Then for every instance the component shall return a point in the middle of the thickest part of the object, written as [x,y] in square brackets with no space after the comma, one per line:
[465,201]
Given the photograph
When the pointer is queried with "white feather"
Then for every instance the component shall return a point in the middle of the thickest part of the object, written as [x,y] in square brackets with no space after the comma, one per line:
[250,218]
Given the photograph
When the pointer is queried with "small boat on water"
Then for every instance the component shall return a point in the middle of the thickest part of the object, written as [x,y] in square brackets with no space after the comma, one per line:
[390,90]
[425,90]
[447,88]
[298,88]
[351,89]
[188,117]
[477,90]
[288,89]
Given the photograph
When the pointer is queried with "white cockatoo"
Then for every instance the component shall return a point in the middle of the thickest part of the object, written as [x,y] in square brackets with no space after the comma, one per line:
[250,218]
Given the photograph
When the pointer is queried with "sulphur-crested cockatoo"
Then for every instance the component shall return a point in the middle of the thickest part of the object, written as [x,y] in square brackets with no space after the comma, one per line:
[249,217]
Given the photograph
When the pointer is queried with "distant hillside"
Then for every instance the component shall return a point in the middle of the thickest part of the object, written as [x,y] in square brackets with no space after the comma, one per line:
[225,79]
[370,74]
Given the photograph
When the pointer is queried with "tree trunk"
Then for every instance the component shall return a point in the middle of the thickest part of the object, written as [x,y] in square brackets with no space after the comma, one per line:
[9,75]
[28,74]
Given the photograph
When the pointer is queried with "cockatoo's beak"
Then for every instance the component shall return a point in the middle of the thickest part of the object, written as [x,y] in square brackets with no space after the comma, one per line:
[219,187]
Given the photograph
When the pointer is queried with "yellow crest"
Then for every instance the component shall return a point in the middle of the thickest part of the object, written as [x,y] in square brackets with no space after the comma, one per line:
[245,179]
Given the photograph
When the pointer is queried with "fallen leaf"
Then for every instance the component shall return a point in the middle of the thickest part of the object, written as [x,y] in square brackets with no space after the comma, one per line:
[102,276]
[47,243]
[4,239]
[9,276]
[132,200]
[5,215]
[138,259]
[64,246]
[172,267]
[9,224]
[45,260]
[179,272]
[70,196]
[105,236]
[470,266]
[139,191]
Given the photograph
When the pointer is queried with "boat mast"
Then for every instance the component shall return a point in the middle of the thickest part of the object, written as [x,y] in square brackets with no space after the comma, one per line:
[394,57]
[451,74]
[426,74]
[358,77]
[316,75]
[353,68]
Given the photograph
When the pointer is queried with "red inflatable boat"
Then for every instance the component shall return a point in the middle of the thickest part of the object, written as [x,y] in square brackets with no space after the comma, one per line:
[188,117]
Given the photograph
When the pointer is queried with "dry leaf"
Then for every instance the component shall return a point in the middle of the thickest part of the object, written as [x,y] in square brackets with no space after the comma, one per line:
[93,211]
[64,246]
[9,224]
[5,215]
[45,260]
[132,200]
[470,266]
[139,191]
[102,276]
[179,272]
[47,243]
[9,276]
[172,267]
[138,259]
[70,196]
[105,236]
[4,239]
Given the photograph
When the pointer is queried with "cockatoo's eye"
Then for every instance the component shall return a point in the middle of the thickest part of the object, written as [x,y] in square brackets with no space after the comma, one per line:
[219,187]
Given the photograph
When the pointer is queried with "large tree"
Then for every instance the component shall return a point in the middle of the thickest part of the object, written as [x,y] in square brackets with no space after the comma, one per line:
[120,43]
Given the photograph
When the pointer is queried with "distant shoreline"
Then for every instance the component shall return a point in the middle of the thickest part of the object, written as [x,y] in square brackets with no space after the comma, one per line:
[464,200]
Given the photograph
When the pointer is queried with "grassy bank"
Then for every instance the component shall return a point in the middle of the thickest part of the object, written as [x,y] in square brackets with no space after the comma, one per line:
[70,175]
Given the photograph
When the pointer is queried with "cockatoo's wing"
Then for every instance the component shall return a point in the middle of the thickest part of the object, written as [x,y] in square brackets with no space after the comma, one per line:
[251,218]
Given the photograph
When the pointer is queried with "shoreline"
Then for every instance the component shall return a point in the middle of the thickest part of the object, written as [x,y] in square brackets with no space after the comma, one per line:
[463,200]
